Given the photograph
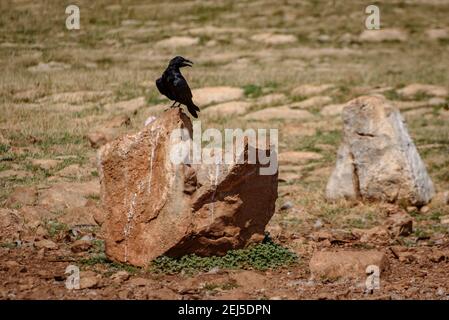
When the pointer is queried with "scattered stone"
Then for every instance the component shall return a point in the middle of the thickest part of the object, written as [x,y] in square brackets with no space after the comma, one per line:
[46,244]
[345,264]
[73,170]
[313,102]
[383,35]
[14,174]
[68,194]
[412,107]
[348,38]
[90,65]
[114,7]
[250,280]
[127,106]
[444,219]
[403,254]
[176,42]
[438,256]
[332,109]
[5,141]
[87,237]
[318,224]
[130,22]
[413,90]
[285,176]
[441,292]
[125,294]
[22,196]
[41,254]
[308,90]
[46,164]
[99,216]
[76,97]
[373,235]
[400,224]
[79,216]
[437,34]
[139,282]
[34,216]
[149,120]
[411,209]
[377,159]
[208,95]
[49,67]
[11,264]
[67,157]
[332,236]
[437,101]
[295,157]
[424,209]
[28,95]
[274,39]
[214,31]
[380,90]
[279,113]
[227,109]
[11,225]
[271,99]
[41,232]
[287,205]
[214,270]
[118,121]
[88,280]
[80,246]
[155,207]
[323,38]
[120,276]
[100,138]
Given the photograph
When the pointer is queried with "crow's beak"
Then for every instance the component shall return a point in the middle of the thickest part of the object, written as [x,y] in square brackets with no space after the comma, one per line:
[187,63]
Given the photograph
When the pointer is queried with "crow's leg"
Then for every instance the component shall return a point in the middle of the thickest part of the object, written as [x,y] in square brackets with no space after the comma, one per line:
[172,106]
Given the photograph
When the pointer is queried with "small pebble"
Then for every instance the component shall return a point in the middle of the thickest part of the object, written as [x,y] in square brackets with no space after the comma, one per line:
[287,205]
[318,224]
[441,291]
[424,209]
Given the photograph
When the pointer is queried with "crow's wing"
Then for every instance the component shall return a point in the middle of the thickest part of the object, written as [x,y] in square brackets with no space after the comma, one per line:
[162,87]
[181,90]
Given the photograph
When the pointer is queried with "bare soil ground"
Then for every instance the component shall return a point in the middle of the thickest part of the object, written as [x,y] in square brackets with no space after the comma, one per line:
[60,90]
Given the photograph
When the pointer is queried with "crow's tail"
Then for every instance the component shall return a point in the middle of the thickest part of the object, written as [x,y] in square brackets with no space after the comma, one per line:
[193,109]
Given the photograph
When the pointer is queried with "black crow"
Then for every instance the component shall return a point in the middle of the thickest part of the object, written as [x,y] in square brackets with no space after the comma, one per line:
[173,85]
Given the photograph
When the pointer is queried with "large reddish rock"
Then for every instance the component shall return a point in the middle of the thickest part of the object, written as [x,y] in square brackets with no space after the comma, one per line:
[155,207]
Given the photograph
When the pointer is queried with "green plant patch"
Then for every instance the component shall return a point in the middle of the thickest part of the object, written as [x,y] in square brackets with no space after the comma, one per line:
[9,245]
[263,256]
[56,228]
[252,91]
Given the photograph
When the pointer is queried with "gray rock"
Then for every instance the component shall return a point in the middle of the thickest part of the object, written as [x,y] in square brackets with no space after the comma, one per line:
[318,224]
[377,159]
[287,205]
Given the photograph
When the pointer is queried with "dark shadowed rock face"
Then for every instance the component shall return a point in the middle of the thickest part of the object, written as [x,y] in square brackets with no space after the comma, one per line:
[377,159]
[155,207]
